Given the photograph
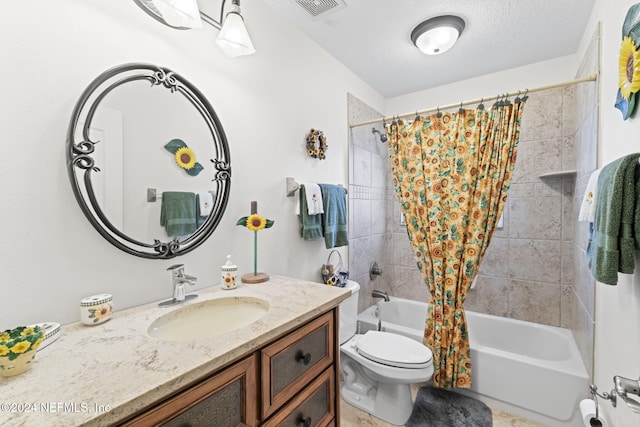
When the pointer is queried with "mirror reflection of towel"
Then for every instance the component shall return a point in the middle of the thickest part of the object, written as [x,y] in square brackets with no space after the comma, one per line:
[205,203]
[204,206]
[178,213]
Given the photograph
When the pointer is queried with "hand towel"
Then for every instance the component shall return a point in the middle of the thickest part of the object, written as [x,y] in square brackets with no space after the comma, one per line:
[334,198]
[205,203]
[588,206]
[310,225]
[313,194]
[178,213]
[616,221]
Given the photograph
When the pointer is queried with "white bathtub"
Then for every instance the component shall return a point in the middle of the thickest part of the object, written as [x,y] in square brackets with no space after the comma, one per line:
[525,368]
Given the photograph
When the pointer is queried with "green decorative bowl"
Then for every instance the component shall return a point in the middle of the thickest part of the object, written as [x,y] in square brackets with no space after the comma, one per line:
[18,348]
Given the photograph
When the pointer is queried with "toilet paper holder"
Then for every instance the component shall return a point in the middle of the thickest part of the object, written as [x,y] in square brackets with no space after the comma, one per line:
[623,387]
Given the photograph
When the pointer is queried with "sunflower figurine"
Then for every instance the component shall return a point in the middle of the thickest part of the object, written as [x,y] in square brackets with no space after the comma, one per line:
[255,223]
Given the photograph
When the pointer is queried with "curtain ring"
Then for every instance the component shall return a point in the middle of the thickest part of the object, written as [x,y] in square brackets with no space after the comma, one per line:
[417,116]
[481,105]
[439,113]
[525,97]
[517,100]
[461,111]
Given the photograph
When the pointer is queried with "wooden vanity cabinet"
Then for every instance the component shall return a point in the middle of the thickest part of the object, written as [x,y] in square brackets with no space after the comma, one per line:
[290,382]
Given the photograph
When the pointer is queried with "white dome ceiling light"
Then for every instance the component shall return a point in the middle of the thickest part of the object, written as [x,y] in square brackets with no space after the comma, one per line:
[437,35]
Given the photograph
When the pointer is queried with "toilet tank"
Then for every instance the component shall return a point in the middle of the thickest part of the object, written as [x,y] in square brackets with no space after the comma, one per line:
[349,312]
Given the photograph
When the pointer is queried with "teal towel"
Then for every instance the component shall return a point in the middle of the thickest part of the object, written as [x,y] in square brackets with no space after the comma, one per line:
[178,213]
[200,219]
[310,225]
[617,223]
[334,199]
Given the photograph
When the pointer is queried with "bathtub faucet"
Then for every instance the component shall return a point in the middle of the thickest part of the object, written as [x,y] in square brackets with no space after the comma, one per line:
[380,294]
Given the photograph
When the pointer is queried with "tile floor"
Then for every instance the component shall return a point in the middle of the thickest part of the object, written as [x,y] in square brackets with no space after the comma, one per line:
[353,417]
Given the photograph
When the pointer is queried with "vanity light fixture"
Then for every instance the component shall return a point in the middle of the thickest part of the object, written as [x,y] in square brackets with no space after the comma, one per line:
[175,13]
[233,38]
[437,35]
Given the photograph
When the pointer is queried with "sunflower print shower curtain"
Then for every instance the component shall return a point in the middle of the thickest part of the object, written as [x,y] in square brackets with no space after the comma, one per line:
[451,172]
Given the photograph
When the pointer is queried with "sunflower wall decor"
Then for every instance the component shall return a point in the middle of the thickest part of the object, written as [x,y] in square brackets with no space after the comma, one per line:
[255,222]
[184,156]
[316,144]
[629,63]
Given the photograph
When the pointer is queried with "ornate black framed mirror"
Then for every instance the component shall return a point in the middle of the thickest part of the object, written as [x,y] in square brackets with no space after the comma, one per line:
[146,151]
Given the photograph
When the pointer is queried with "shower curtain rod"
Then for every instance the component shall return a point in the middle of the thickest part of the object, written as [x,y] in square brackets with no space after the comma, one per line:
[592,77]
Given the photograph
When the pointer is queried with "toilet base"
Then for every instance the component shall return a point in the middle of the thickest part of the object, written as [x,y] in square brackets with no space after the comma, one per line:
[389,402]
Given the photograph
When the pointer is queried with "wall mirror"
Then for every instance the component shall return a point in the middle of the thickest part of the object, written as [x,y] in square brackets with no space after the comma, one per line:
[121,157]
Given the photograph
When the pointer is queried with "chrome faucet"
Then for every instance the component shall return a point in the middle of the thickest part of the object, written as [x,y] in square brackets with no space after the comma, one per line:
[178,279]
[380,294]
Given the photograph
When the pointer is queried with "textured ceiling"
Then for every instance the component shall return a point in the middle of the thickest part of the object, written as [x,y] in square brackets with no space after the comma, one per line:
[372,37]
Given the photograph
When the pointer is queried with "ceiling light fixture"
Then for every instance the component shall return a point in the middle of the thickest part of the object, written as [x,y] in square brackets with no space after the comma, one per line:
[437,35]
[233,39]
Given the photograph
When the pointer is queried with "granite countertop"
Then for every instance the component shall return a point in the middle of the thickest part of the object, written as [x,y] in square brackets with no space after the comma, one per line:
[99,375]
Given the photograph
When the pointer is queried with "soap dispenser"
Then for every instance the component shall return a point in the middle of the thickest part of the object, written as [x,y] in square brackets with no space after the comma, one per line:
[229,274]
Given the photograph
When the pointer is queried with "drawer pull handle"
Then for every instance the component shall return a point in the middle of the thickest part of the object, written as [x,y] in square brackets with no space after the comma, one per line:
[306,422]
[304,357]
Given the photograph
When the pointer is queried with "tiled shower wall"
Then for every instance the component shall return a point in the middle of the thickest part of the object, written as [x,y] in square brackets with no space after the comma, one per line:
[530,258]
[534,269]
[369,171]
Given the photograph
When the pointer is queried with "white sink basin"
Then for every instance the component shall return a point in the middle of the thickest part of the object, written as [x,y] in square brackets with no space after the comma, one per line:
[209,318]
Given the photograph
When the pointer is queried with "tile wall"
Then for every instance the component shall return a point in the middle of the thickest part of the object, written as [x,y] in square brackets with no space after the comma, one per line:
[369,171]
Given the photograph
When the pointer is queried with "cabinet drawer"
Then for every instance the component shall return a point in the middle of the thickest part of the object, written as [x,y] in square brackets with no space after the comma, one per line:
[227,399]
[314,407]
[290,363]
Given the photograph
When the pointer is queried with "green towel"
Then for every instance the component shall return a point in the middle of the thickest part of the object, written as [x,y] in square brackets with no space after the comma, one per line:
[617,222]
[335,215]
[178,213]
[310,225]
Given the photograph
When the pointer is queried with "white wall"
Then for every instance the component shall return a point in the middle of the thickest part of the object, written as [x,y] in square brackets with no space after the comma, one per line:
[617,332]
[51,257]
[529,76]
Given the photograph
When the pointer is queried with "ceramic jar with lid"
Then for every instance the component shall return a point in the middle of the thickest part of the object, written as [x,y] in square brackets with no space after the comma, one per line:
[96,309]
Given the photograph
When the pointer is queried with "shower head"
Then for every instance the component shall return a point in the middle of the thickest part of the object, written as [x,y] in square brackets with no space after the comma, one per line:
[383,135]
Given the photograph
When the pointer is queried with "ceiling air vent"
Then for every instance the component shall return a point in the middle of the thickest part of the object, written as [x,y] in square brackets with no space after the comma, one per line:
[316,8]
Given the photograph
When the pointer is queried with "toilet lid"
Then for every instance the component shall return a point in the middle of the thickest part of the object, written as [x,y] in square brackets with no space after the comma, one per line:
[394,350]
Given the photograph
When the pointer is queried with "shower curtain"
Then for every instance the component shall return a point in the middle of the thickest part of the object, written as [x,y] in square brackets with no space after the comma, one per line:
[451,172]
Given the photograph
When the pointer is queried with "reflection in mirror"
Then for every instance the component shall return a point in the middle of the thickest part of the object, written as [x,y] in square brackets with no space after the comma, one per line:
[123,138]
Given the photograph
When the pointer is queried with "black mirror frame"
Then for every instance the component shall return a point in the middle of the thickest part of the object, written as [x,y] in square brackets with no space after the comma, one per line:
[79,158]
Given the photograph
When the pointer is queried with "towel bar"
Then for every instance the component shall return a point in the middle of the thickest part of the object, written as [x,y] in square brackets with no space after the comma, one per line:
[293,186]
[153,195]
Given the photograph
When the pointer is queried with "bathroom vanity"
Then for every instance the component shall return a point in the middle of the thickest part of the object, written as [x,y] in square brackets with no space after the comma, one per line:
[280,370]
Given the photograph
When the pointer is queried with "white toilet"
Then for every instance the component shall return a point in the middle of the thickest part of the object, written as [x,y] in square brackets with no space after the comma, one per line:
[378,368]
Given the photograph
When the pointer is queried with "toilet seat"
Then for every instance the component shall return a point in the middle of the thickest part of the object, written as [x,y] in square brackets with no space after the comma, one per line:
[394,350]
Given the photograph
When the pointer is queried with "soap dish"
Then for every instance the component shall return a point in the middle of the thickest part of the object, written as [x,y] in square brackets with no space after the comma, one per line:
[51,333]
